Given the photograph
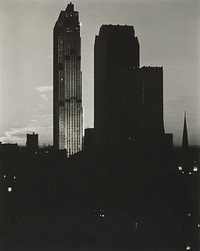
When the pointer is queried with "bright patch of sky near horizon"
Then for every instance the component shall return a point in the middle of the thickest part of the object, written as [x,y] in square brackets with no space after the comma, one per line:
[168,33]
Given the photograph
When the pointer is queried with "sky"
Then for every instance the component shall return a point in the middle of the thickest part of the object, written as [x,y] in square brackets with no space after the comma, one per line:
[168,33]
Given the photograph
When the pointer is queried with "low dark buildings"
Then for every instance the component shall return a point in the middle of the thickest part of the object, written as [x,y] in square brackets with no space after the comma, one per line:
[32,142]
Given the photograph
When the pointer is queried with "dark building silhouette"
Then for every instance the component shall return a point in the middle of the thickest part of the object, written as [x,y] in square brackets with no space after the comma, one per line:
[89,141]
[128,100]
[32,142]
[189,173]
[116,85]
[132,197]
[8,147]
[68,111]
[152,100]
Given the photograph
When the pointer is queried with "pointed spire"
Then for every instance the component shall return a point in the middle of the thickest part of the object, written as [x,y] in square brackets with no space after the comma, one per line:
[70,7]
[185,144]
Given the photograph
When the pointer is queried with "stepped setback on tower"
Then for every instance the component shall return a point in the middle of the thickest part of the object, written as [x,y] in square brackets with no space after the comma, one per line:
[67,83]
[128,100]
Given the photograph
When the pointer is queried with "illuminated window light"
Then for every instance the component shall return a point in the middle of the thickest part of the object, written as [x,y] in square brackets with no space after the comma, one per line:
[189,214]
[14,177]
[180,168]
[9,189]
[190,173]
[188,247]
[195,169]
[182,172]
[103,215]
[198,225]
[4,176]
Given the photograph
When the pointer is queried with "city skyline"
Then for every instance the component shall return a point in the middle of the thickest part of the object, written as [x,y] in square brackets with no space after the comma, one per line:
[163,43]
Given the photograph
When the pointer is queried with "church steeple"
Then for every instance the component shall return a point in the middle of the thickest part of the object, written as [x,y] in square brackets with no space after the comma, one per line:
[185,151]
[185,144]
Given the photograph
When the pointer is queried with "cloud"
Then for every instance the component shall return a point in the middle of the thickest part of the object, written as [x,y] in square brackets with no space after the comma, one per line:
[42,89]
[49,116]
[34,120]
[43,127]
[16,135]
[44,96]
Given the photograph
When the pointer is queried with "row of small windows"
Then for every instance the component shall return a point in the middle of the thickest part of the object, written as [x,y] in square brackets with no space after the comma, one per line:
[71,14]
[67,57]
[68,30]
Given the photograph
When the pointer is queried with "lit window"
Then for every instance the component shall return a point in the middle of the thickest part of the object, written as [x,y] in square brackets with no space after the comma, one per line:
[9,189]
[195,169]
[180,168]
[4,176]
[188,247]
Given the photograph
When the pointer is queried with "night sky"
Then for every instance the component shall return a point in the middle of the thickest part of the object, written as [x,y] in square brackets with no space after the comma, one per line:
[168,33]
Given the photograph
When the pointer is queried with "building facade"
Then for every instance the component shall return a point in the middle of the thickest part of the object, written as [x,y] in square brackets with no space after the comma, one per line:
[116,65]
[67,83]
[128,100]
[32,142]
[151,79]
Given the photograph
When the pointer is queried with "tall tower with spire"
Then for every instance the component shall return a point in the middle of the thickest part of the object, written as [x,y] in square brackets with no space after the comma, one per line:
[67,82]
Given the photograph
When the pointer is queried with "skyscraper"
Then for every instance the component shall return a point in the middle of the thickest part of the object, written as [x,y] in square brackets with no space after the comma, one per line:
[152,100]
[128,100]
[116,85]
[67,82]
